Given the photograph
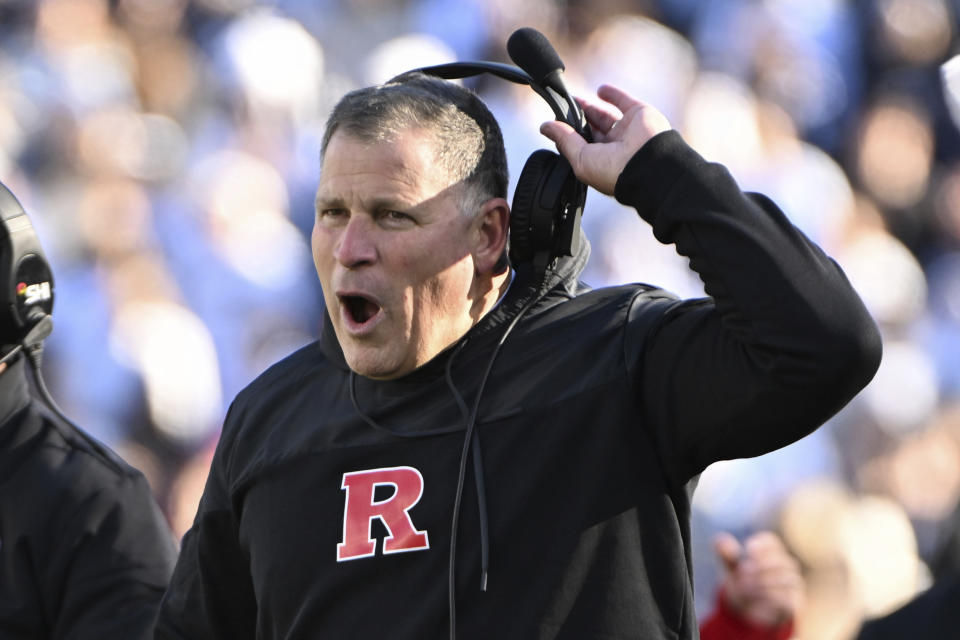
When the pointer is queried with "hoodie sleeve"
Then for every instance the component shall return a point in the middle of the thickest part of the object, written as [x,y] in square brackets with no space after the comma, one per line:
[111,561]
[783,342]
[210,596]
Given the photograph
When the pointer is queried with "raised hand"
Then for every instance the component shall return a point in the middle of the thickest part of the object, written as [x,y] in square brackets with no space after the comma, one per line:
[763,583]
[617,136]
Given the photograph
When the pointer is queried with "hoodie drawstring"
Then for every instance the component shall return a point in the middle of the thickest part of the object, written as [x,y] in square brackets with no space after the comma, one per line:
[471,442]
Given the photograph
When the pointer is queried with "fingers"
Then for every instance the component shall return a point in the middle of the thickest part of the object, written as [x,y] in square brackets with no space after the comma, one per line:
[596,165]
[767,551]
[619,98]
[767,558]
[760,565]
[728,550]
[601,120]
[623,118]
[769,575]
[568,141]
[764,542]
[615,97]
[616,137]
[765,583]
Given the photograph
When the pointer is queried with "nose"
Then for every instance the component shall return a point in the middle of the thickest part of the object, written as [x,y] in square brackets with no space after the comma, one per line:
[356,244]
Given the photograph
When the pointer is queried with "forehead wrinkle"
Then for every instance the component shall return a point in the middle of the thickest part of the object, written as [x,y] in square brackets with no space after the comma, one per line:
[401,183]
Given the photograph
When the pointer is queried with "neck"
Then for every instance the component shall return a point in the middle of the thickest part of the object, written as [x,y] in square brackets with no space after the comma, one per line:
[504,286]
[490,294]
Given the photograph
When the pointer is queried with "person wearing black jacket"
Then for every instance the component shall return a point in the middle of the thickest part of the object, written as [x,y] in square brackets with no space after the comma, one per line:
[85,551]
[469,453]
[932,613]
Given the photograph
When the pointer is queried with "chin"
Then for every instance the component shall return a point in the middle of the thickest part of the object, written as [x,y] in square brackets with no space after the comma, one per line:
[373,367]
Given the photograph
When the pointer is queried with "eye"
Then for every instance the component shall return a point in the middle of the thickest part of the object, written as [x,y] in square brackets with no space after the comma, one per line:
[331,214]
[395,218]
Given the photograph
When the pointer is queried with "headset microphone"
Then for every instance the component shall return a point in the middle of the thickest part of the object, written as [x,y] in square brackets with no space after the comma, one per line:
[533,53]
[548,199]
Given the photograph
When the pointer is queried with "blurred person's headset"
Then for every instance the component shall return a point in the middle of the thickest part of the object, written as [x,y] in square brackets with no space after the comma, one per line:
[26,282]
[548,199]
[26,287]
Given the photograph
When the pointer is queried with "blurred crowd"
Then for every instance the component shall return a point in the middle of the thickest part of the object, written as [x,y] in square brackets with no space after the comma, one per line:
[167,151]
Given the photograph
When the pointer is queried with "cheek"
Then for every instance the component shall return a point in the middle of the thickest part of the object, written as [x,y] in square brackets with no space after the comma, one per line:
[320,245]
[449,290]
[315,241]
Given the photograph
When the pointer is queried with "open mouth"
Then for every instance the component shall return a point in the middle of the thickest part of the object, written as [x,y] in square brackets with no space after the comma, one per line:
[359,309]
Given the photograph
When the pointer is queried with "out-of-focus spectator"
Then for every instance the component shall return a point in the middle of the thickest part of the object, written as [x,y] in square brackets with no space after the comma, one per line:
[934,612]
[84,548]
[859,555]
[762,591]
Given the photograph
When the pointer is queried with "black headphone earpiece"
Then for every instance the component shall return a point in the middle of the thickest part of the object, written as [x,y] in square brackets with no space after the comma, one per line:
[546,194]
[26,281]
[548,199]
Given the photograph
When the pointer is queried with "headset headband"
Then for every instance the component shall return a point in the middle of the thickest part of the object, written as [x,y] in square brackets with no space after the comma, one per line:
[562,104]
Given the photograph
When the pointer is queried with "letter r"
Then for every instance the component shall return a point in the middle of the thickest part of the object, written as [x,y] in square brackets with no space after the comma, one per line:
[360,509]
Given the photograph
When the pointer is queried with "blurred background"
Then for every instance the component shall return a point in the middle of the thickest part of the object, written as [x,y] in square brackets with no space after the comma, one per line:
[167,152]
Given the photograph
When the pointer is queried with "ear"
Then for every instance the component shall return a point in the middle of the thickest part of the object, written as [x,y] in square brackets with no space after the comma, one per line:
[490,229]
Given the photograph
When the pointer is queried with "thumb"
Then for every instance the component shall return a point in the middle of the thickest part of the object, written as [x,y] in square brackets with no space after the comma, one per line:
[568,141]
[728,550]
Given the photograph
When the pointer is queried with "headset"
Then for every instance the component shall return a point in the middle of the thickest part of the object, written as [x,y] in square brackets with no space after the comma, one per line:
[26,281]
[544,222]
[26,297]
[548,199]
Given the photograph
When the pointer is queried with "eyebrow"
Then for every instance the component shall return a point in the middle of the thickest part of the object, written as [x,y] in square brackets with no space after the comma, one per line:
[374,204]
[328,203]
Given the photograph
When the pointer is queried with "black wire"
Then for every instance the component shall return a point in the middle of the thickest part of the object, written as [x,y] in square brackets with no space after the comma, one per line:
[479,481]
[464,410]
[34,352]
[467,444]
[482,506]
[10,355]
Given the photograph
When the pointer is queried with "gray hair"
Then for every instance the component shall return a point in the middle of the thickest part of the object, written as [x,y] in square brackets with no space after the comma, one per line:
[467,138]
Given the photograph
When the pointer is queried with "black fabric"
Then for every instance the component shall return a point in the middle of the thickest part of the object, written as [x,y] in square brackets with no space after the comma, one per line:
[84,549]
[932,614]
[601,411]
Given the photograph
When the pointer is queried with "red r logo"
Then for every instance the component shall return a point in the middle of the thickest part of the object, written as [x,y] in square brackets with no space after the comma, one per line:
[361,509]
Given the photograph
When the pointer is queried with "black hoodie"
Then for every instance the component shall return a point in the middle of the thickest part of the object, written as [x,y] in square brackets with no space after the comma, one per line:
[328,509]
[84,550]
